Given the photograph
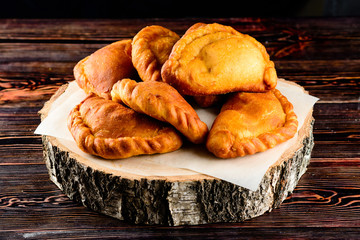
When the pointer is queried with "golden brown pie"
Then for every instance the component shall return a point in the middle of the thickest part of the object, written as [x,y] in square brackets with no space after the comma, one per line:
[194,27]
[161,101]
[110,130]
[151,47]
[250,123]
[98,72]
[208,100]
[212,59]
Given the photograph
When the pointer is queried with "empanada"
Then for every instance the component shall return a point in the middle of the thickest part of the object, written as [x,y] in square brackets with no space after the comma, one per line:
[212,59]
[110,130]
[98,72]
[161,101]
[207,100]
[250,123]
[151,47]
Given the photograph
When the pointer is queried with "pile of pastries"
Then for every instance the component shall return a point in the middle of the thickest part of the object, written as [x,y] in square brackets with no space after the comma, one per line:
[139,90]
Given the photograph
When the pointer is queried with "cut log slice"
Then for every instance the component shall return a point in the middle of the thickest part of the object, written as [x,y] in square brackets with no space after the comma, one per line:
[176,200]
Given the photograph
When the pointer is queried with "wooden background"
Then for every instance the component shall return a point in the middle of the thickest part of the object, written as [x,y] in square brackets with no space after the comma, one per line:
[321,54]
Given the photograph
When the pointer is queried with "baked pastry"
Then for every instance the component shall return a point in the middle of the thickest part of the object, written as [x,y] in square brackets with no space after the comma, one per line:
[161,101]
[194,27]
[110,130]
[213,59]
[98,72]
[151,47]
[208,100]
[250,123]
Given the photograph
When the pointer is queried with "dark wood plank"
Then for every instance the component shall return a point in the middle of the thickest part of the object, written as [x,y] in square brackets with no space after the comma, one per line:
[46,212]
[80,30]
[226,232]
[283,37]
[322,55]
[109,30]
[39,62]
[27,77]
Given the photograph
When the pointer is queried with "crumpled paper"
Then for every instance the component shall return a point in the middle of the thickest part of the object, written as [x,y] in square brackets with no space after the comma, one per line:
[191,159]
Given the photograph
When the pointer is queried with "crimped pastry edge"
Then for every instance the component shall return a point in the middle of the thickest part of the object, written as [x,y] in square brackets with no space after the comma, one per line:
[264,141]
[143,58]
[114,148]
[171,74]
[187,123]
[84,81]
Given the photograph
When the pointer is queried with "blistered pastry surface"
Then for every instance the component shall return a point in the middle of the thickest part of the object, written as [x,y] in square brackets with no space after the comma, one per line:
[110,130]
[98,72]
[161,101]
[151,47]
[250,123]
[213,59]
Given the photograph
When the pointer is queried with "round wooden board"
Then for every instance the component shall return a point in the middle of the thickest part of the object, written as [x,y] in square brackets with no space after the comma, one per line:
[176,200]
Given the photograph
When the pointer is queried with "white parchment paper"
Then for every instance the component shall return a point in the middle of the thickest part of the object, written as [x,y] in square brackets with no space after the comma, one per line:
[191,159]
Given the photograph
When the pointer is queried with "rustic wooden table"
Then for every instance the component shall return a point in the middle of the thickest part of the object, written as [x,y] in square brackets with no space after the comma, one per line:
[323,55]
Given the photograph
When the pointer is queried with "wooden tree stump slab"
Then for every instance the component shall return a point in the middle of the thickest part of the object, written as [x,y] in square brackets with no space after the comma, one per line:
[181,200]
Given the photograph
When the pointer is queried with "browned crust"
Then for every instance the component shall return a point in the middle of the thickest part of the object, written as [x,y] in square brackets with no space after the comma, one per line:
[166,140]
[159,100]
[208,100]
[172,69]
[97,72]
[232,148]
[304,132]
[144,57]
